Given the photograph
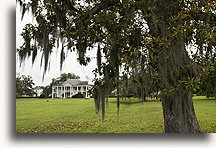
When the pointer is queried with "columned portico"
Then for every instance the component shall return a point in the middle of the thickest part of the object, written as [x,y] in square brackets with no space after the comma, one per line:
[70,88]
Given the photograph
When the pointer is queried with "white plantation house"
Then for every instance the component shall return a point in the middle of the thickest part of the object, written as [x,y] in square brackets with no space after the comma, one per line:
[71,87]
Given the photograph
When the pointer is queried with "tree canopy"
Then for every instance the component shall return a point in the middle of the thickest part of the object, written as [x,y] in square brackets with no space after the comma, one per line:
[135,35]
[24,85]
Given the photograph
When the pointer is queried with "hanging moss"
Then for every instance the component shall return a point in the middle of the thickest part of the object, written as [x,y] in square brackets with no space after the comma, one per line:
[148,54]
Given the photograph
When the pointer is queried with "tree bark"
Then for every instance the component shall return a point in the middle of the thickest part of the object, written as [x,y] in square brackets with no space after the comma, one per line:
[179,114]
[178,109]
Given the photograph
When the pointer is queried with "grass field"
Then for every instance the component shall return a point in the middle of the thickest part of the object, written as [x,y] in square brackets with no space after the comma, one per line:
[78,116]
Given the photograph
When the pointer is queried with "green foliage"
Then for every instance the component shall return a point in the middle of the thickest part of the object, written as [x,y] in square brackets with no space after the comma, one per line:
[78,116]
[47,91]
[206,84]
[64,76]
[19,86]
[24,85]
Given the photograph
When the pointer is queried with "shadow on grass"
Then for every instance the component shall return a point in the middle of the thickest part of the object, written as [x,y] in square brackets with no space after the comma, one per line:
[128,102]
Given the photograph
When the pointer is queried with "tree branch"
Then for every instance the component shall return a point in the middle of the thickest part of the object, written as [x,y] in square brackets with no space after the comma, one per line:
[103,5]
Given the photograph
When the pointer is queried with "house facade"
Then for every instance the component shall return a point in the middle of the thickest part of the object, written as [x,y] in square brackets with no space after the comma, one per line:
[70,88]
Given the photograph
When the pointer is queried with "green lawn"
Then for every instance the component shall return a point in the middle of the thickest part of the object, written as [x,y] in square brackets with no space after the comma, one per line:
[78,116]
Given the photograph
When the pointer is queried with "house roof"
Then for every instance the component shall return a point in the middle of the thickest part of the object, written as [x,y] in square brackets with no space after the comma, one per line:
[73,82]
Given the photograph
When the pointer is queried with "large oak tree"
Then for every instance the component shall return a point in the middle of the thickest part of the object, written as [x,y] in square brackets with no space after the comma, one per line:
[145,33]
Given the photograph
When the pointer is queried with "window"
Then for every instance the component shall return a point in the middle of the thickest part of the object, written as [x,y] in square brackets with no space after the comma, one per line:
[68,88]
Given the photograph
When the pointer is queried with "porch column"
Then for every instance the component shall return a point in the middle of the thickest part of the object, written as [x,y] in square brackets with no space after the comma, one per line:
[52,91]
[57,91]
[70,90]
[64,91]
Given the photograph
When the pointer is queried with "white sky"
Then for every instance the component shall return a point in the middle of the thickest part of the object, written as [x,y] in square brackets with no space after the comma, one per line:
[69,66]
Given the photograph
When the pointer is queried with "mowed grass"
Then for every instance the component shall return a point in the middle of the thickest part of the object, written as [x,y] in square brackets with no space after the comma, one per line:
[78,116]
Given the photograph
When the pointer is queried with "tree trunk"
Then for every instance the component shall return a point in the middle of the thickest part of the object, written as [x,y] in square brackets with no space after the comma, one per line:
[178,109]
[179,115]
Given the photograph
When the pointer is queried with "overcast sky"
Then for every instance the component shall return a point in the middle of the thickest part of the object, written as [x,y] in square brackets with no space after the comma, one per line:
[69,66]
